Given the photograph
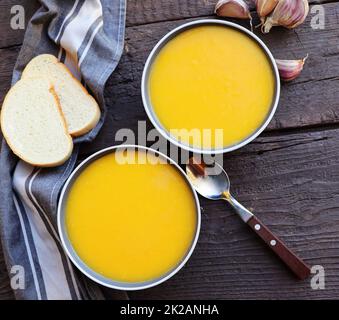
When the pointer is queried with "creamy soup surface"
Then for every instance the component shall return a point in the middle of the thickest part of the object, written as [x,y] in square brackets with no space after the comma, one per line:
[211,77]
[131,222]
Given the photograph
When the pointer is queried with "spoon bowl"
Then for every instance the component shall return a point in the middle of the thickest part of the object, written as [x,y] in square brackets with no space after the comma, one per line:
[210,181]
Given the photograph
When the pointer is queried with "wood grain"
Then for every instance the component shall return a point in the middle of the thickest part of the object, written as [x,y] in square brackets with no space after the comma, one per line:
[302,101]
[311,100]
[289,178]
[138,13]
[292,183]
[149,11]
[296,265]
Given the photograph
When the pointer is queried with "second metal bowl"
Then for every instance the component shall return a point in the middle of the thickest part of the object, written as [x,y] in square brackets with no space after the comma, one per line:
[154,53]
[80,264]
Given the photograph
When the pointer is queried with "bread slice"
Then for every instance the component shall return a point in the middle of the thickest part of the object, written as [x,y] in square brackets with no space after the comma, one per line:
[80,109]
[33,125]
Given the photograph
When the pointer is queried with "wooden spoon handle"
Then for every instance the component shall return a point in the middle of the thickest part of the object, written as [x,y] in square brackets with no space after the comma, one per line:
[299,267]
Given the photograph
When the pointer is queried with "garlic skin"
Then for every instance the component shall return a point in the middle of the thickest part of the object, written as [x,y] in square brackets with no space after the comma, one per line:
[232,9]
[290,69]
[265,7]
[287,13]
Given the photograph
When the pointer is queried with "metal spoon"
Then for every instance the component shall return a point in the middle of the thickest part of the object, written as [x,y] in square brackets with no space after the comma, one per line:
[212,182]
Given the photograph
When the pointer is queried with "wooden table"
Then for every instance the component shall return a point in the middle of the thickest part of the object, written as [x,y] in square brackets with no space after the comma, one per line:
[289,175]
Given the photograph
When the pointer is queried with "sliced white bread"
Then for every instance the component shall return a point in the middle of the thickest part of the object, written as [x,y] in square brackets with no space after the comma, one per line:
[33,125]
[80,109]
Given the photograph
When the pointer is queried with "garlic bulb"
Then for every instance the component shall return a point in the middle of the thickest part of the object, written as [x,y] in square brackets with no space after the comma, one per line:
[233,9]
[287,13]
[265,7]
[290,69]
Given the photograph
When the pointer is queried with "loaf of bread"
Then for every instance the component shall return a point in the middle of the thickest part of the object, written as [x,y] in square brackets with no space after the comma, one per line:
[33,124]
[80,109]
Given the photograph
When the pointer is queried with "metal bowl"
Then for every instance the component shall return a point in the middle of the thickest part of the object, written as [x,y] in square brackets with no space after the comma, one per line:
[172,34]
[92,274]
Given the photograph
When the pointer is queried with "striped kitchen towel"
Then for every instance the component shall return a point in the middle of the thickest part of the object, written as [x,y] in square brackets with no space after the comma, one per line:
[88,36]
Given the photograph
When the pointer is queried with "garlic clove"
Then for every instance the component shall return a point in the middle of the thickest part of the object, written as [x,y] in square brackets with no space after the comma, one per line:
[290,69]
[300,15]
[287,13]
[233,9]
[265,7]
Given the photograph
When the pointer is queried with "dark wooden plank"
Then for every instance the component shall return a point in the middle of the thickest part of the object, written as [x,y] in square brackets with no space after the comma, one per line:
[149,11]
[218,257]
[8,35]
[311,100]
[291,183]
[138,12]
[7,62]
[295,191]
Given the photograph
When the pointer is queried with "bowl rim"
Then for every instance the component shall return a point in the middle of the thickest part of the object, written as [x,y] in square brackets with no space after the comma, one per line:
[78,262]
[163,41]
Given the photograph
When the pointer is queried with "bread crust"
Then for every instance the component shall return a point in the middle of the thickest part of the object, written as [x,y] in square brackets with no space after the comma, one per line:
[20,155]
[97,113]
